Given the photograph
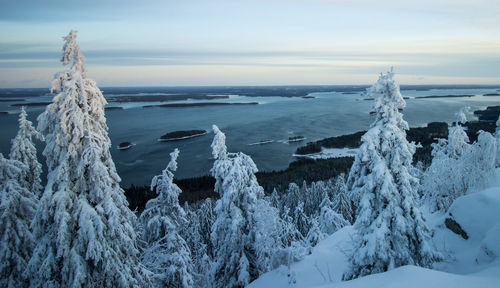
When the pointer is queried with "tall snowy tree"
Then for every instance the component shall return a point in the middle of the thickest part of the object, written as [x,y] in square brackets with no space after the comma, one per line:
[202,262]
[458,141]
[329,220]
[17,207]
[83,228]
[315,234]
[167,255]
[479,162]
[440,184]
[236,232]
[24,150]
[497,137]
[342,203]
[390,229]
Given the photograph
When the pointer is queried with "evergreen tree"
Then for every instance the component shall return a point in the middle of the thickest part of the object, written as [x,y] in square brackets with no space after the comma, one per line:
[275,200]
[315,234]
[236,232]
[458,141]
[301,220]
[479,162]
[24,150]
[194,240]
[440,183]
[167,255]
[17,207]
[289,233]
[390,229]
[497,137]
[342,203]
[313,198]
[292,197]
[267,226]
[329,220]
[83,228]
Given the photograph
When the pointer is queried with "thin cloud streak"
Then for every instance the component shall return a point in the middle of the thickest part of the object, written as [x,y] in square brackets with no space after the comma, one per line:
[286,41]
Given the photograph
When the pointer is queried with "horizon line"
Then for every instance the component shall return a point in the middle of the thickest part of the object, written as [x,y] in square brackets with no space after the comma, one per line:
[277,85]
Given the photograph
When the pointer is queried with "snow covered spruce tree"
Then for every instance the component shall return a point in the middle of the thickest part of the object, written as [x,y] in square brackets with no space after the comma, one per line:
[83,228]
[202,262]
[390,229]
[24,150]
[17,208]
[440,184]
[241,242]
[167,255]
[497,137]
[342,203]
[479,162]
[329,220]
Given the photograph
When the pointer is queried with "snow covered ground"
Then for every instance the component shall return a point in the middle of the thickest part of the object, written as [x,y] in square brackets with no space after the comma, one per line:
[474,262]
[327,153]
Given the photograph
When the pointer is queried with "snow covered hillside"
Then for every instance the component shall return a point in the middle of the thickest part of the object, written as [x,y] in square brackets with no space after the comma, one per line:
[475,262]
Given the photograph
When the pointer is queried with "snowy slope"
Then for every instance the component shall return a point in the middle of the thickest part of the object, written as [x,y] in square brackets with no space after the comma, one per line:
[416,277]
[474,262]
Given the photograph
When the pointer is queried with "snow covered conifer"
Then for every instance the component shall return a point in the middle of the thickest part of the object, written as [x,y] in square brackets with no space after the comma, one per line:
[267,226]
[236,231]
[342,203]
[292,196]
[17,207]
[329,220]
[83,228]
[275,199]
[479,162]
[301,220]
[458,141]
[315,234]
[289,232]
[167,255]
[390,229]
[440,184]
[24,150]
[497,137]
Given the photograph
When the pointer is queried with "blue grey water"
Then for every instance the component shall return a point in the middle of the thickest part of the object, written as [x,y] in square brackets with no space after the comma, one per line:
[277,118]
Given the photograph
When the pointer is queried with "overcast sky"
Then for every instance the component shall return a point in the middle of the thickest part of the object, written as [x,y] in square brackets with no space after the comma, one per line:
[238,42]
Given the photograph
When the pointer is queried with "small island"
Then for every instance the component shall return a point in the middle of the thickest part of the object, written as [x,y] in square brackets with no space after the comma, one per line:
[31,104]
[444,96]
[125,145]
[204,104]
[296,138]
[261,142]
[180,135]
[113,108]
[12,100]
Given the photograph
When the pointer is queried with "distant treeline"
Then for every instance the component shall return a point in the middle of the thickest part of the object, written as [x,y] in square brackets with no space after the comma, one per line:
[198,188]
